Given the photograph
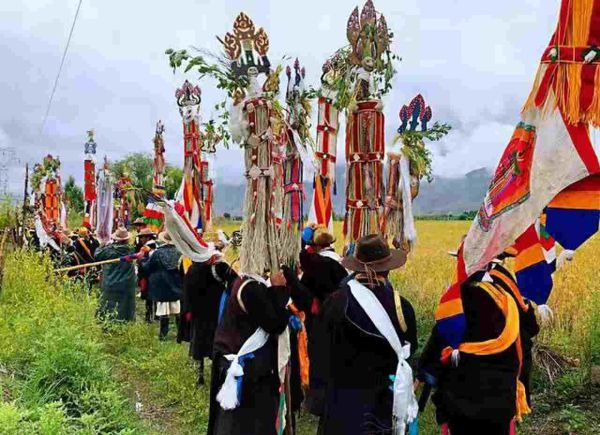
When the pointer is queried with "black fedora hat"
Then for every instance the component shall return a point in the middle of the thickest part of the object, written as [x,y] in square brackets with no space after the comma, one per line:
[373,253]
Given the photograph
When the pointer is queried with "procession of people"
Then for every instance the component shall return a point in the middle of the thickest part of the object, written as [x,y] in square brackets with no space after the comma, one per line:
[291,325]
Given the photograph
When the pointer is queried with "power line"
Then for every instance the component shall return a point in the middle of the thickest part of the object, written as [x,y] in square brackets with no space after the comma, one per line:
[62,61]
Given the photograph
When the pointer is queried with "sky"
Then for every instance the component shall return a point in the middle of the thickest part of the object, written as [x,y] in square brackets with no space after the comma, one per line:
[473,62]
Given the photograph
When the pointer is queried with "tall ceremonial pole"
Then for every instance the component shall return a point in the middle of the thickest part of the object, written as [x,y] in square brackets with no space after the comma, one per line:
[153,215]
[256,124]
[297,135]
[195,192]
[89,180]
[365,142]
[324,186]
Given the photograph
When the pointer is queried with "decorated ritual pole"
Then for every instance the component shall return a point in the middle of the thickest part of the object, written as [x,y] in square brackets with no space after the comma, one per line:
[297,134]
[324,185]
[89,181]
[50,214]
[365,143]
[256,124]
[153,215]
[407,165]
[196,192]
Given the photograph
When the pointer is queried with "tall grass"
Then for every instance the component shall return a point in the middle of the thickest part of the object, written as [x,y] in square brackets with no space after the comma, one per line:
[55,375]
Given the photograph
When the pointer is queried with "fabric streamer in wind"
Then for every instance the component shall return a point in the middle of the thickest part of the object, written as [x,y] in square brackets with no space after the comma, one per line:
[104,206]
[184,235]
[549,152]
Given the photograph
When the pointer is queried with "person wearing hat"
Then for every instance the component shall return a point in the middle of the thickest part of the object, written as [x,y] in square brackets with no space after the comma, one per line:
[145,244]
[370,331]
[139,224]
[85,245]
[322,274]
[249,358]
[205,288]
[482,388]
[117,299]
[164,281]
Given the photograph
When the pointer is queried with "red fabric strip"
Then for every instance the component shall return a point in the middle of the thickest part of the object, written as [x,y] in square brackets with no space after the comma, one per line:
[581,140]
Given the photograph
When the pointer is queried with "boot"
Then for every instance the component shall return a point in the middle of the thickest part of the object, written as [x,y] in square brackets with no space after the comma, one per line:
[164,328]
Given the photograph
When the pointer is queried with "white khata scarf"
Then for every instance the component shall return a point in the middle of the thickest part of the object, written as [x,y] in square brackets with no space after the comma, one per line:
[405,407]
[229,395]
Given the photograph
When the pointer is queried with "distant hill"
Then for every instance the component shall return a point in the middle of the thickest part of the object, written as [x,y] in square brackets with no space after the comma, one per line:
[442,195]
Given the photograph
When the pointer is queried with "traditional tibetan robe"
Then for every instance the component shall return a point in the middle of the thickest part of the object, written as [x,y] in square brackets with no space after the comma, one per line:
[359,362]
[118,283]
[251,305]
[478,395]
[203,289]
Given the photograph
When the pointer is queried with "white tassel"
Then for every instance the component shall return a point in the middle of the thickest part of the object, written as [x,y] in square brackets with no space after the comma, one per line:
[223,238]
[455,357]
[228,396]
[238,126]
[545,313]
[410,233]
[565,255]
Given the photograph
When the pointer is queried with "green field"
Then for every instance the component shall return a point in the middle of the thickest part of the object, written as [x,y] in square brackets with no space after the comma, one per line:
[63,372]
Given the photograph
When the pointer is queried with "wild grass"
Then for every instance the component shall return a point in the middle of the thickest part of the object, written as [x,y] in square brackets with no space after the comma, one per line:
[63,372]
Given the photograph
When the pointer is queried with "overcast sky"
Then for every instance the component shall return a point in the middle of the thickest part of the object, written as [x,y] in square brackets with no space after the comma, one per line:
[472,60]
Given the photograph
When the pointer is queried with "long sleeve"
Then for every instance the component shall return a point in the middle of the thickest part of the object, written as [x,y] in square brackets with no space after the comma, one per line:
[411,325]
[429,365]
[267,306]
[105,253]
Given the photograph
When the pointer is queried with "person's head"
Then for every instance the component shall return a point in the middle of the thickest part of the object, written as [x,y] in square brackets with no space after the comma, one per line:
[322,238]
[145,235]
[121,236]
[139,224]
[372,255]
[83,232]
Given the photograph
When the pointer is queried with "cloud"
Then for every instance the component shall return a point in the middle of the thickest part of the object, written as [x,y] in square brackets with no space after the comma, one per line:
[473,61]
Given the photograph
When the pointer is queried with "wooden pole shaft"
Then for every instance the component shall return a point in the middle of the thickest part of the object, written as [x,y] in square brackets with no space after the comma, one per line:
[86,265]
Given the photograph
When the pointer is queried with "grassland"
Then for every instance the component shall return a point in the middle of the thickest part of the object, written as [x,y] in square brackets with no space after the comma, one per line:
[63,372]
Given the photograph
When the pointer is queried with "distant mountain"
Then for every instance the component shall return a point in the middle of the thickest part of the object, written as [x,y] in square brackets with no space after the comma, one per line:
[442,195]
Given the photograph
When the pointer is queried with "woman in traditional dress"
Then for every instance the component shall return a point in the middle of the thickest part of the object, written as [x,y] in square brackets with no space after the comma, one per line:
[205,285]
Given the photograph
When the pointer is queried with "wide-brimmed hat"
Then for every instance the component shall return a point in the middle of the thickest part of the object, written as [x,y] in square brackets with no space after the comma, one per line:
[146,232]
[322,237]
[139,221]
[83,232]
[121,235]
[165,237]
[372,253]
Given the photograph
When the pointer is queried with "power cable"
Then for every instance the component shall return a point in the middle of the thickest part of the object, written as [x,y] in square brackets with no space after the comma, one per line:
[62,61]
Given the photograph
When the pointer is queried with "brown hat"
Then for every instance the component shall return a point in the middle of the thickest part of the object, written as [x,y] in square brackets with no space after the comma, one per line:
[373,253]
[322,237]
[139,222]
[146,232]
[121,235]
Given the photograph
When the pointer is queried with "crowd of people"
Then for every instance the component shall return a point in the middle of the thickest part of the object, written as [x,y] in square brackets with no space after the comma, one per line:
[328,335]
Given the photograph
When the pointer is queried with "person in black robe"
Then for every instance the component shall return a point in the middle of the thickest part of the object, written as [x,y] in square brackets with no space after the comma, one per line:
[145,243]
[204,287]
[528,324]
[251,304]
[358,359]
[478,395]
[322,274]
